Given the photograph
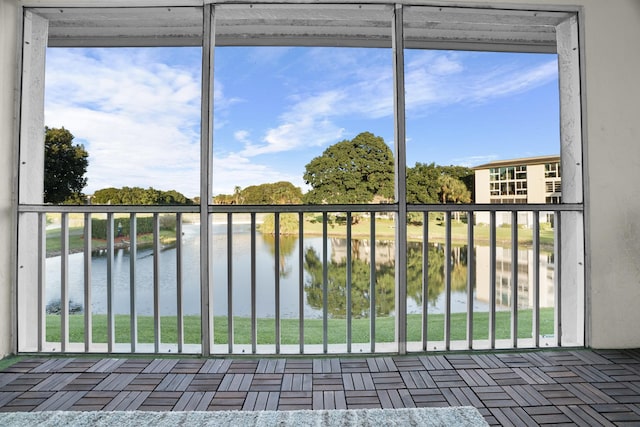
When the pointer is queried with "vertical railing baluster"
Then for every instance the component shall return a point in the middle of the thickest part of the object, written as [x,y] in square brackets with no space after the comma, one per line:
[492,279]
[447,282]
[254,320]
[64,282]
[348,278]
[425,279]
[179,304]
[230,282]
[301,280]
[557,251]
[325,284]
[156,283]
[209,315]
[277,277]
[42,283]
[514,279]
[470,277]
[110,287]
[88,314]
[133,303]
[536,278]
[372,283]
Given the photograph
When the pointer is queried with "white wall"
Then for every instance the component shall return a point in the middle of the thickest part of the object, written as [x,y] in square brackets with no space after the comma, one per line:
[613,153]
[535,184]
[612,159]
[8,67]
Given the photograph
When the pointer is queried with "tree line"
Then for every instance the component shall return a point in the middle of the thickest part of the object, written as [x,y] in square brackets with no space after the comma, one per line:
[356,171]
[278,193]
[138,196]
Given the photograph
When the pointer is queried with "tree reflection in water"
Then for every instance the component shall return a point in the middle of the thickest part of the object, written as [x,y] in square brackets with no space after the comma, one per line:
[385,279]
[287,247]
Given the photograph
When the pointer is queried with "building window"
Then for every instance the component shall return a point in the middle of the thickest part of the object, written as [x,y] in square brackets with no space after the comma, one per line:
[508,181]
[553,183]
[552,170]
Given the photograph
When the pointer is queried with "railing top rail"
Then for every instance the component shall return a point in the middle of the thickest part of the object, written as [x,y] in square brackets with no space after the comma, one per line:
[391,207]
[109,208]
[494,207]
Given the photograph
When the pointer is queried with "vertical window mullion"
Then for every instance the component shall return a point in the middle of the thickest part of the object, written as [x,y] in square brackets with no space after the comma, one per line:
[400,180]
[206,171]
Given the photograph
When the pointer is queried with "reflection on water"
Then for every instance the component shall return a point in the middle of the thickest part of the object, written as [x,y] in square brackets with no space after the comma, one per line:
[288,265]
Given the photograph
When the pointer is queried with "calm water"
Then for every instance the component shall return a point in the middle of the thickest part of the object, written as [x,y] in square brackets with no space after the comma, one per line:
[289,277]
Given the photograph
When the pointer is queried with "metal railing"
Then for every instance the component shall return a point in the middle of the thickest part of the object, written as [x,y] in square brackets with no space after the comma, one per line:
[289,327]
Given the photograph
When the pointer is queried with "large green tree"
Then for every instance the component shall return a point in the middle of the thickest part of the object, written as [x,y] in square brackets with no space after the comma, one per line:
[463,173]
[453,190]
[431,183]
[65,165]
[355,171]
[422,183]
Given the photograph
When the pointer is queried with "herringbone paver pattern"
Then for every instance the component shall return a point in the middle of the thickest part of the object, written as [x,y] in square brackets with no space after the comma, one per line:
[559,387]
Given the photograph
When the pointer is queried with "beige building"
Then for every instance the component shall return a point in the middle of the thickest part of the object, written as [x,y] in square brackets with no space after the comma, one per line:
[526,180]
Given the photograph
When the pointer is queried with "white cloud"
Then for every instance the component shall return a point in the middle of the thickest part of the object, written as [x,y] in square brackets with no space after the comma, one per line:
[139,119]
[471,161]
[440,79]
[242,136]
[221,105]
[305,124]
[511,82]
[444,65]
[268,54]
[235,170]
[354,84]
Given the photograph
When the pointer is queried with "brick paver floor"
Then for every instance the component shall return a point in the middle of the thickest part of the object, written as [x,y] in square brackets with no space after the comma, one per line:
[557,387]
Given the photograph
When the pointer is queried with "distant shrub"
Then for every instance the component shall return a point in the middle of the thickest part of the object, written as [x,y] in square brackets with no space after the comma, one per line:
[288,224]
[122,226]
[546,226]
[55,307]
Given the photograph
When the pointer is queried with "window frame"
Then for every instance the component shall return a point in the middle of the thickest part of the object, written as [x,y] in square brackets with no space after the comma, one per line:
[563,22]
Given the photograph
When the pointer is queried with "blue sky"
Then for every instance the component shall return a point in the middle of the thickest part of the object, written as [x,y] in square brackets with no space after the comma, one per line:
[137,111]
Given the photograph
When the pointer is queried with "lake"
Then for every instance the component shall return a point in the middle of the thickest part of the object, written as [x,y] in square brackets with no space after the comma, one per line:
[289,277]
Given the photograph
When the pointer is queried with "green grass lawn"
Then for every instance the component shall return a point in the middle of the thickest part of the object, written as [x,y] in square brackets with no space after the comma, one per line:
[385,328]
[385,229]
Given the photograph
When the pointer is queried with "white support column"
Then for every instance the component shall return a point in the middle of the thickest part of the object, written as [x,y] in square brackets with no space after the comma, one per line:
[206,170]
[9,36]
[400,159]
[31,174]
[572,244]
